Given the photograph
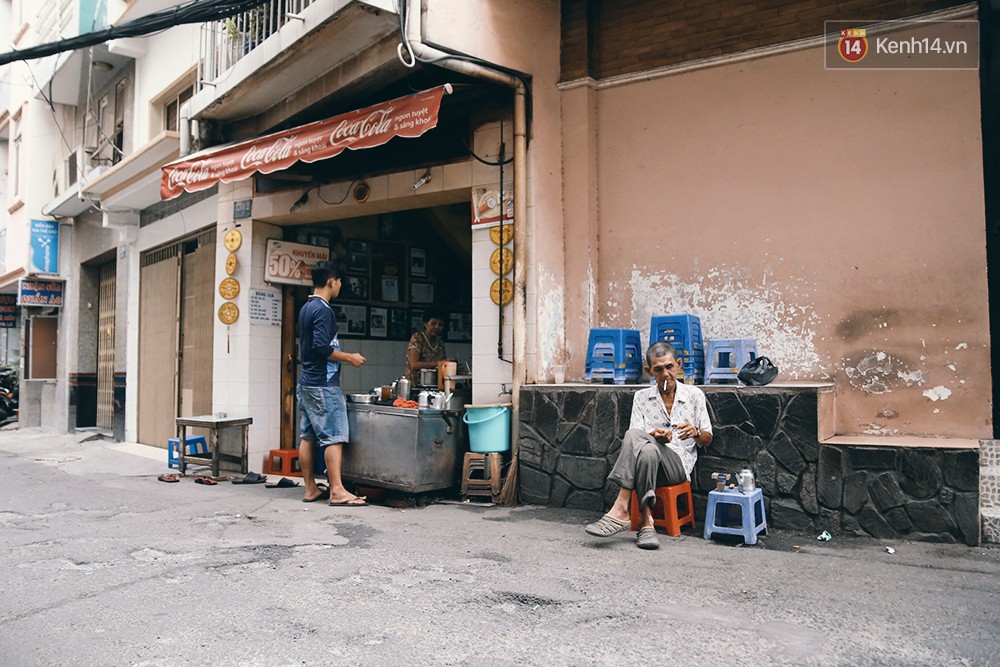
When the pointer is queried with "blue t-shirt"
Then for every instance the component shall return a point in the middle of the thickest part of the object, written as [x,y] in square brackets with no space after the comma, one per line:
[318,338]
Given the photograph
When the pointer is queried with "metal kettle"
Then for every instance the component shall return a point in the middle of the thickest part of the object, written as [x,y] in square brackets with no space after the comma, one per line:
[745,480]
[403,388]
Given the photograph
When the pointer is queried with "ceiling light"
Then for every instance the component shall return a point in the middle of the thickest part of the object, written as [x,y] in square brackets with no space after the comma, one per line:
[299,202]
[423,180]
[102,66]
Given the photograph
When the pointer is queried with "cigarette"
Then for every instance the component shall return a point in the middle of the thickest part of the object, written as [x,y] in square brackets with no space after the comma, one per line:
[664,385]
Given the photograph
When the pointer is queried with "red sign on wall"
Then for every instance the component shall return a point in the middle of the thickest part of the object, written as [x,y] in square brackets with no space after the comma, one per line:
[409,116]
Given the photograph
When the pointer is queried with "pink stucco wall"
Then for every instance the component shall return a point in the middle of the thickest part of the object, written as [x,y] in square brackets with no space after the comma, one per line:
[836,216]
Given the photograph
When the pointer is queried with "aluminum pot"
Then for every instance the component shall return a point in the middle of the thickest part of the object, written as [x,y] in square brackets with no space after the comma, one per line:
[428,377]
[359,398]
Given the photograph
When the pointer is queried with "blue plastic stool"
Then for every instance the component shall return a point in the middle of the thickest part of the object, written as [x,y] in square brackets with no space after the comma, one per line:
[613,354]
[752,510]
[725,356]
[684,333]
[195,445]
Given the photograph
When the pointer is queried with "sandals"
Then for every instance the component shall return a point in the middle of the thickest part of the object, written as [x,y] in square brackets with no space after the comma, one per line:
[283,483]
[205,480]
[169,477]
[646,538]
[607,526]
[251,478]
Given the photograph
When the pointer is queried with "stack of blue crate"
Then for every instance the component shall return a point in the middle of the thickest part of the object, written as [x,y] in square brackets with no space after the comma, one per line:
[613,355]
[684,333]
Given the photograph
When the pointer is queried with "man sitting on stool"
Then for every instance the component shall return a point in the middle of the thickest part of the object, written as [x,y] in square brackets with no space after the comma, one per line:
[669,422]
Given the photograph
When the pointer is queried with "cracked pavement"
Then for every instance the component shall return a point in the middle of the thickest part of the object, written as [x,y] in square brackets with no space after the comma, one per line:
[106,565]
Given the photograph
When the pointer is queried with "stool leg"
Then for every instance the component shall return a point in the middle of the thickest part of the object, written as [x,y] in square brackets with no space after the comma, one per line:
[749,522]
[671,519]
[634,511]
[709,518]
[465,473]
[495,462]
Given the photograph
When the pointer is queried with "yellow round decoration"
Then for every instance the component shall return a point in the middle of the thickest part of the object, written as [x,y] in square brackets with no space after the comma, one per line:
[233,240]
[495,291]
[501,261]
[231,264]
[228,313]
[502,234]
[229,288]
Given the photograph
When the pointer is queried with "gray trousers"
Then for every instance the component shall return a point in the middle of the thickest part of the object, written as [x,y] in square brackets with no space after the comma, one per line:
[643,464]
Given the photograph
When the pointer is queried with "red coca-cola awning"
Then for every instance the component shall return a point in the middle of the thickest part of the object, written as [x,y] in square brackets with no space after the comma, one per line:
[409,116]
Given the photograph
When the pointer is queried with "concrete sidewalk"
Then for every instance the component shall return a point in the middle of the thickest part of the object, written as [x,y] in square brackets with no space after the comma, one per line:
[106,565]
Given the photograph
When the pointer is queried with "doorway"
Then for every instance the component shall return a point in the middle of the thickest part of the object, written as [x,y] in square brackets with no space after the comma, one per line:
[176,328]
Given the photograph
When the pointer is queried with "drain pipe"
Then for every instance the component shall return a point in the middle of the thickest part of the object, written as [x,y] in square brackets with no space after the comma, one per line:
[415,45]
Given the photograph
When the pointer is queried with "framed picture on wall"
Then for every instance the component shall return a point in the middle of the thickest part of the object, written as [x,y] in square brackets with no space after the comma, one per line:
[351,320]
[422,292]
[416,321]
[418,262]
[321,240]
[460,327]
[357,256]
[399,324]
[388,270]
[379,322]
[354,287]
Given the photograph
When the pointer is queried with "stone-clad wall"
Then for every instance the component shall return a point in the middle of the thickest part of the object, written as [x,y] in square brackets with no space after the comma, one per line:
[570,437]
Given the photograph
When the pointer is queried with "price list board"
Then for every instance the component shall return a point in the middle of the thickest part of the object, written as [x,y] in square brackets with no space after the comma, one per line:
[265,307]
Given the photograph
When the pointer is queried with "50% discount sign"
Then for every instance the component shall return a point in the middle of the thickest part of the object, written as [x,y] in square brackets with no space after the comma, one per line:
[290,263]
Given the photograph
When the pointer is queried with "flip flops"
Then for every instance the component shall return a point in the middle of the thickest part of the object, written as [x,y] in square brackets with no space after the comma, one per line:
[169,478]
[251,478]
[646,538]
[357,501]
[205,480]
[283,483]
[607,526]
[324,493]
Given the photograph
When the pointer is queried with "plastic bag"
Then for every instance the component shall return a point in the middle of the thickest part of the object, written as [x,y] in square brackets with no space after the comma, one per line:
[757,372]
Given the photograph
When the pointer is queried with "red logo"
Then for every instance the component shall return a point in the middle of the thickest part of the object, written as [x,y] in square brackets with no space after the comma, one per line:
[853,45]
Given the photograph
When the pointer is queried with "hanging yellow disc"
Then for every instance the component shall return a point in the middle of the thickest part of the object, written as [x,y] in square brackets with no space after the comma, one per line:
[502,261]
[502,234]
[501,289]
[228,313]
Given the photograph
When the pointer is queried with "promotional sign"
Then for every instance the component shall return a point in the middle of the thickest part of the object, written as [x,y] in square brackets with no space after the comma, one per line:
[409,117]
[32,292]
[8,311]
[289,263]
[488,207]
[44,246]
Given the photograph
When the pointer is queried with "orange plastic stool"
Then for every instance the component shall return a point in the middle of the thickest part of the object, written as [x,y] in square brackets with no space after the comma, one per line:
[665,512]
[283,462]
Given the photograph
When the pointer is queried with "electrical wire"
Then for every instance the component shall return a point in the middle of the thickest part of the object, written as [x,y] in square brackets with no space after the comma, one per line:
[342,199]
[195,11]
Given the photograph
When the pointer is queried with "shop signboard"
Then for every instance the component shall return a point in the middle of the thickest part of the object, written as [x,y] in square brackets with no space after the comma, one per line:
[44,293]
[407,117]
[289,263]
[8,311]
[44,246]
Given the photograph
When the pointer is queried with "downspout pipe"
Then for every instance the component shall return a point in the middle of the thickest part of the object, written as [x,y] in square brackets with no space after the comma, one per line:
[430,54]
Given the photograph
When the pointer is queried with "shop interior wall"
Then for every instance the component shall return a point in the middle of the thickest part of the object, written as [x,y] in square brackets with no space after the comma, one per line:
[835,216]
[446,267]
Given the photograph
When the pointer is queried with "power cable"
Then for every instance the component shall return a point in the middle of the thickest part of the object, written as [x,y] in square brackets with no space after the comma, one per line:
[195,11]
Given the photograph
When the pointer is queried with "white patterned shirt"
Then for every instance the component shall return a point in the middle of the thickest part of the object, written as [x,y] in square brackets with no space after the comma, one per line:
[649,412]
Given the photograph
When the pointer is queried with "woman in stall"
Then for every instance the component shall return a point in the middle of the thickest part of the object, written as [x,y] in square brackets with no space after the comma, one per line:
[426,347]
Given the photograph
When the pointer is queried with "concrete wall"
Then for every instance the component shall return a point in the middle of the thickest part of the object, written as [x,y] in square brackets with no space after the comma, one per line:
[835,216]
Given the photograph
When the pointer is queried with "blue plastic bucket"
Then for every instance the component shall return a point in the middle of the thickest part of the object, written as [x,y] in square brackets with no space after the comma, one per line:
[489,428]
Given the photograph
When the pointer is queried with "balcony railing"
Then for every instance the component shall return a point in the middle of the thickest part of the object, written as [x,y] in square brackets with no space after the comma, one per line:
[224,43]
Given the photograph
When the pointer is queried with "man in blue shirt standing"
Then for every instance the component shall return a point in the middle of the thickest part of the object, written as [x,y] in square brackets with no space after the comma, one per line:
[324,411]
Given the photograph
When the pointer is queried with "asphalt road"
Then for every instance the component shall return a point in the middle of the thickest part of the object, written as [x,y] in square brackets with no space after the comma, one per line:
[107,566]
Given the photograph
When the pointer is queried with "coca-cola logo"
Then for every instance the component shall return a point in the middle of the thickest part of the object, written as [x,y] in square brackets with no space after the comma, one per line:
[255,156]
[377,122]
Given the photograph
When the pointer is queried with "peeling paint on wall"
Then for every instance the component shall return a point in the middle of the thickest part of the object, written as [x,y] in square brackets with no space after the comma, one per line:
[551,323]
[731,305]
[938,393]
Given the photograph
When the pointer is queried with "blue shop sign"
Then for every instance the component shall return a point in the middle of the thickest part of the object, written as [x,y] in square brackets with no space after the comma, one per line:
[8,311]
[32,292]
[44,246]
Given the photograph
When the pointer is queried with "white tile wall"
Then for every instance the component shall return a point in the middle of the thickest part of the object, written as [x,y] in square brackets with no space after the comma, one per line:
[385,362]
